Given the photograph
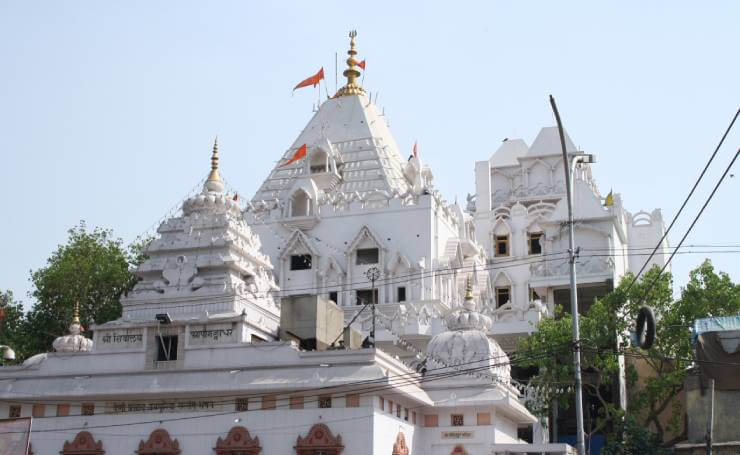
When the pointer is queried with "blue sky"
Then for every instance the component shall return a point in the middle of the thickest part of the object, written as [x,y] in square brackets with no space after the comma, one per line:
[108,109]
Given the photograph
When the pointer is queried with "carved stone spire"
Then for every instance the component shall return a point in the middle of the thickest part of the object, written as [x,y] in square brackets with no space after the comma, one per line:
[74,342]
[214,183]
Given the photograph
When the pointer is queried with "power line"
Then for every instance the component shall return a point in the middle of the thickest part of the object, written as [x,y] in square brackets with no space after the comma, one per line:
[443,375]
[691,193]
[693,223]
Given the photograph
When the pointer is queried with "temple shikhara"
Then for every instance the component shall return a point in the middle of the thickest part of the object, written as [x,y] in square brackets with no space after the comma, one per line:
[347,308]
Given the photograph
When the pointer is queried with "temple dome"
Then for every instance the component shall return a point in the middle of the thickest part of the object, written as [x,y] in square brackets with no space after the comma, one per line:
[465,345]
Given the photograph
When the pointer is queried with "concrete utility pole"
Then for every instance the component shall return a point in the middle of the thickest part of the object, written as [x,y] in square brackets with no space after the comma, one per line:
[573,254]
[372,274]
[710,417]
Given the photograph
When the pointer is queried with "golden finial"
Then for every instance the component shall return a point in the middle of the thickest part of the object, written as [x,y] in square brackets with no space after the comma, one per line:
[352,87]
[76,313]
[214,177]
[469,289]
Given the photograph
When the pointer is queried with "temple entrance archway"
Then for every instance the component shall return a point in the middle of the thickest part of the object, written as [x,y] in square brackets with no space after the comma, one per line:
[83,444]
[159,443]
[319,441]
[238,442]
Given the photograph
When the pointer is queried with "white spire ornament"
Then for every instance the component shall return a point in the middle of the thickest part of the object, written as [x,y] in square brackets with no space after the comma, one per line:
[74,342]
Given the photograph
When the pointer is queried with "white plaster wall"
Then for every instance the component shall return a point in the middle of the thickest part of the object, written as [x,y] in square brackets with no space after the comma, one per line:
[385,431]
[408,230]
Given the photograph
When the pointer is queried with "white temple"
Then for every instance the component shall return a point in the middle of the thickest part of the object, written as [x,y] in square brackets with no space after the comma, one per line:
[356,201]
[195,365]
[201,360]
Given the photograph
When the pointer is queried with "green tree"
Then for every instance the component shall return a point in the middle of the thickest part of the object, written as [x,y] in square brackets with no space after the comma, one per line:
[93,269]
[12,325]
[708,293]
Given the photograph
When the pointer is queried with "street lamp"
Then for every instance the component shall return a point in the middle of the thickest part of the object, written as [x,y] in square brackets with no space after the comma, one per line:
[372,274]
[572,255]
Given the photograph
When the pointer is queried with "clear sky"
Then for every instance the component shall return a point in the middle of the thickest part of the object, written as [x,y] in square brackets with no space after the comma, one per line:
[108,109]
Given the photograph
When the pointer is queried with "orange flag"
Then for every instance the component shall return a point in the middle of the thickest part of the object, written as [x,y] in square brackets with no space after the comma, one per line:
[313,80]
[361,64]
[300,153]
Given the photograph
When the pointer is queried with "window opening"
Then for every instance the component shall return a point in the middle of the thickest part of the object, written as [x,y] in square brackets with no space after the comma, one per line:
[401,293]
[334,296]
[300,204]
[300,262]
[535,244]
[458,420]
[166,348]
[502,245]
[366,296]
[242,404]
[367,256]
[324,402]
[502,296]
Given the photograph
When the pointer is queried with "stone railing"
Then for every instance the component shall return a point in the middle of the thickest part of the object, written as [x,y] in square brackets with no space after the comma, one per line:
[560,267]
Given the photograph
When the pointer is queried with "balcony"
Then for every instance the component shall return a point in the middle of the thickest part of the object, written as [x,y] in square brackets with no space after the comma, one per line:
[556,272]
[511,323]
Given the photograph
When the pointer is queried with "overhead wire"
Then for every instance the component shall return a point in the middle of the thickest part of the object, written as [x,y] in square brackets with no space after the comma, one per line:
[686,200]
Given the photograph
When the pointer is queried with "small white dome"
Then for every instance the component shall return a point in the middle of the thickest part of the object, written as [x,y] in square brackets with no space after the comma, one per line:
[466,345]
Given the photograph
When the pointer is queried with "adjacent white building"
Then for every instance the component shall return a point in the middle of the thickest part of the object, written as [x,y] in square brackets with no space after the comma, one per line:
[520,213]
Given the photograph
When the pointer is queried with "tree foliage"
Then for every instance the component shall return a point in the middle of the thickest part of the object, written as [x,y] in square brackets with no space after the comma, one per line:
[603,334]
[12,324]
[93,269]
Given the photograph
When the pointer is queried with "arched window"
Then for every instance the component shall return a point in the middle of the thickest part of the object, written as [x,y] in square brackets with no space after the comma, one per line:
[400,447]
[83,444]
[238,442]
[300,204]
[319,441]
[159,443]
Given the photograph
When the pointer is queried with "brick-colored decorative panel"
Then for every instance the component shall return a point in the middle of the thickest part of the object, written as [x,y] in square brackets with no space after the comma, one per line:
[268,402]
[296,402]
[38,410]
[484,418]
[431,420]
[62,410]
[352,400]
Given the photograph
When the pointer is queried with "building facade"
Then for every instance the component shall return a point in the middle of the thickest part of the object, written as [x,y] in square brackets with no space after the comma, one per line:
[195,365]
[520,213]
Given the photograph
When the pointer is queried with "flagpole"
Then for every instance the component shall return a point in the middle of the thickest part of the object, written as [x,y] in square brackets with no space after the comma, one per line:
[336,72]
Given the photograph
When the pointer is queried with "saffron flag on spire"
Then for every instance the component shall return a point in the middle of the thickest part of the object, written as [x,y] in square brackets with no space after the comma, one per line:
[300,153]
[361,64]
[313,80]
